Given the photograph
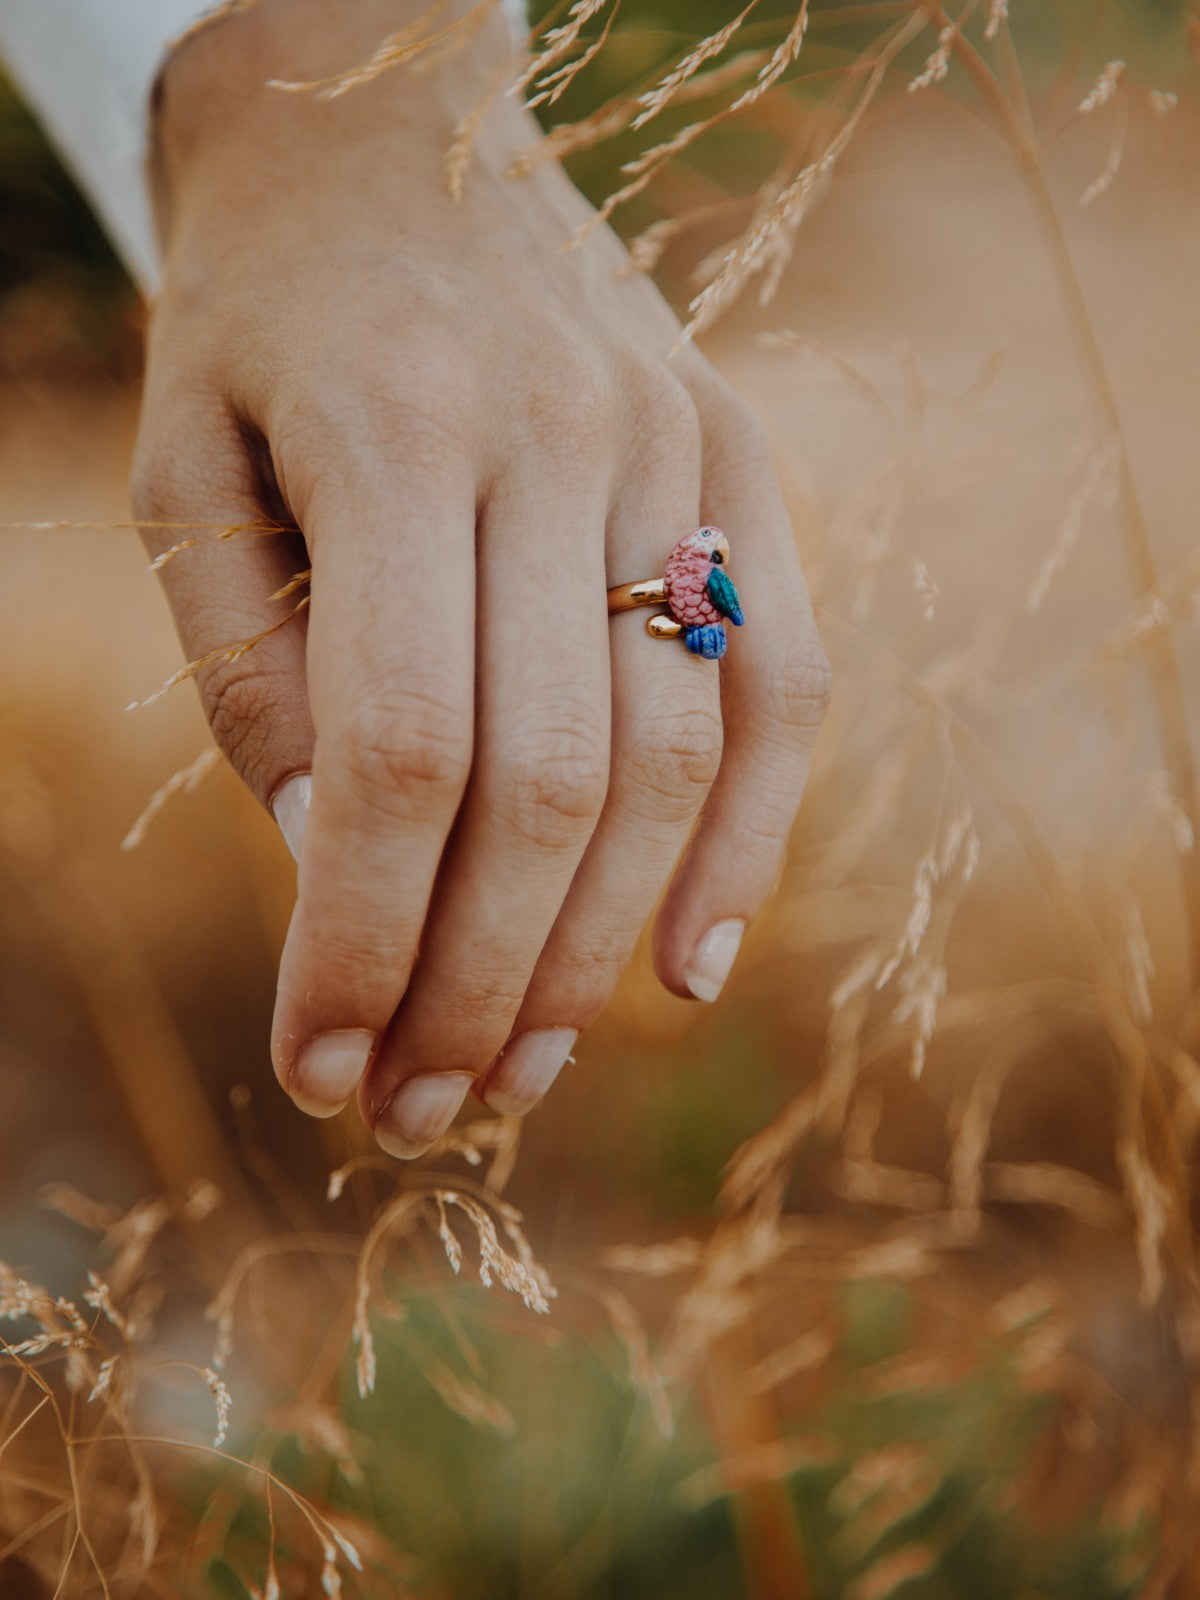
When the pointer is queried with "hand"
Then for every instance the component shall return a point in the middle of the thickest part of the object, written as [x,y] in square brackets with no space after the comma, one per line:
[476,433]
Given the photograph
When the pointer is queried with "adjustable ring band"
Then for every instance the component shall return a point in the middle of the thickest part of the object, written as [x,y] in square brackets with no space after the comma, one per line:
[627,596]
[696,591]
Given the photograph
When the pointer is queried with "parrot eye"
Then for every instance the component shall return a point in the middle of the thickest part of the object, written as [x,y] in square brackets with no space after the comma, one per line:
[717,557]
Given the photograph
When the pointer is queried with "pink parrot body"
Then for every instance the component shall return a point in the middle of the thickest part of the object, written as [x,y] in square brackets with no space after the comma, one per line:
[686,583]
[697,589]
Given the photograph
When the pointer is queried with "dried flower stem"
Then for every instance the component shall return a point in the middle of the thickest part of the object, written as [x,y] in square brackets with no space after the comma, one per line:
[1166,685]
[223,654]
[181,782]
[556,43]
[414,40]
[324,1530]
[663,92]
[1142,1097]
[767,245]
[743,1421]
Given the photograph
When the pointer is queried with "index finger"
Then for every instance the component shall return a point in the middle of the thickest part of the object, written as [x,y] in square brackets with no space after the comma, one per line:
[391,686]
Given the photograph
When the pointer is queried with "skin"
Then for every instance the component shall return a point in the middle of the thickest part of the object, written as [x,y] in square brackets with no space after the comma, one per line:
[476,431]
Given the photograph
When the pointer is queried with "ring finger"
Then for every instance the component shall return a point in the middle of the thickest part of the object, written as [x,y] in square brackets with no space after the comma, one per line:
[666,750]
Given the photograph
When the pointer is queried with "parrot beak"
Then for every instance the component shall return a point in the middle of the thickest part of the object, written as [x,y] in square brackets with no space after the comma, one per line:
[722,545]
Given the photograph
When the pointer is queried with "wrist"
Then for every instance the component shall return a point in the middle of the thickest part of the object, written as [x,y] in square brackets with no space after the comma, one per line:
[214,101]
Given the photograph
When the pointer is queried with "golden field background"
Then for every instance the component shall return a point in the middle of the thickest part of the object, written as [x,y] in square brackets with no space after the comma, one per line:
[936,441]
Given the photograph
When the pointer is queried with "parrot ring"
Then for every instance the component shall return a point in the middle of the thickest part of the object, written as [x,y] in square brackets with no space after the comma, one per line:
[696,591]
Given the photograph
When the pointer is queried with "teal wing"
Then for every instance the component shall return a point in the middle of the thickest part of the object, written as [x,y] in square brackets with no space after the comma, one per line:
[725,597]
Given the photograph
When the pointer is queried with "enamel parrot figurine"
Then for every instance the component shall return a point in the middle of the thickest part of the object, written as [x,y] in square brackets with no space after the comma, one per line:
[699,593]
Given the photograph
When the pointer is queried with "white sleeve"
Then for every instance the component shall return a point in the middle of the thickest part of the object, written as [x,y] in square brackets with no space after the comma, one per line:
[87,68]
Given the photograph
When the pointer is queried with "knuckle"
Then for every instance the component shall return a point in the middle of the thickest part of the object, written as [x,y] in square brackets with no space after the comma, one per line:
[744,459]
[429,426]
[677,758]
[244,704]
[665,421]
[480,1000]
[800,688]
[149,485]
[556,785]
[745,433]
[405,753]
[570,404]
[329,448]
[737,447]
[162,485]
[354,967]
[188,465]
[488,1007]
[576,979]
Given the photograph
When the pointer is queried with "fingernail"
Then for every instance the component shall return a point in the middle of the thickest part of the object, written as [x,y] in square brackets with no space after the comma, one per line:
[420,1111]
[327,1070]
[713,958]
[526,1069]
[290,810]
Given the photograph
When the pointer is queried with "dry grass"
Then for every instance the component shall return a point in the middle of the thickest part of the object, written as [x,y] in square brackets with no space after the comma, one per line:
[84,1435]
[971,940]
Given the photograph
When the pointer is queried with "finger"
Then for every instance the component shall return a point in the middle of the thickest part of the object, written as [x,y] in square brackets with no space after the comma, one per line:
[390,666]
[666,749]
[537,787]
[198,494]
[775,685]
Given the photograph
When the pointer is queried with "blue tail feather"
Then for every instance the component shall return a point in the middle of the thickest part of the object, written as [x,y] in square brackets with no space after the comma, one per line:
[708,641]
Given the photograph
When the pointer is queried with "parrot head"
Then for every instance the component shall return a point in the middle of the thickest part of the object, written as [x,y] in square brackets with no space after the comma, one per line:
[710,543]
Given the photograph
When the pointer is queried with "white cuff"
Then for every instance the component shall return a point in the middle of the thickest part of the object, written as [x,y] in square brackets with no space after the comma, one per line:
[87,68]
[517,12]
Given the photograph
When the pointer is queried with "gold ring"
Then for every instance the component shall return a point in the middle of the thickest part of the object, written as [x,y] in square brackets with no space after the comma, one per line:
[696,591]
[628,596]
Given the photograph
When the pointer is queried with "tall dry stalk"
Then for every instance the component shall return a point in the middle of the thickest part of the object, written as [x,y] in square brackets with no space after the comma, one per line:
[1010,110]
[754,1318]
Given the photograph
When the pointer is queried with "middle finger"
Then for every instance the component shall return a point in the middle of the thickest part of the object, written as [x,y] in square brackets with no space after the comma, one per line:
[537,788]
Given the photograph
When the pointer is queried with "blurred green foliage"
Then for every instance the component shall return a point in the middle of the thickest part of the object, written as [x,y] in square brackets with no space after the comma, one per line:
[581,1496]
[50,241]
[571,1493]
[1078,36]
[687,1116]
